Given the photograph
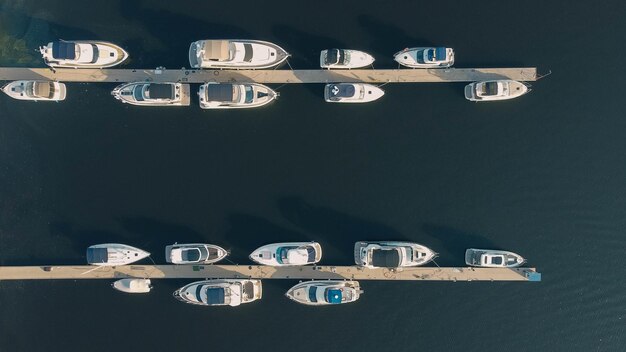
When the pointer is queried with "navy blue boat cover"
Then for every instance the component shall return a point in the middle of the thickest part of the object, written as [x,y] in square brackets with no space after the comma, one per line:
[97,255]
[215,295]
[64,50]
[333,296]
[440,53]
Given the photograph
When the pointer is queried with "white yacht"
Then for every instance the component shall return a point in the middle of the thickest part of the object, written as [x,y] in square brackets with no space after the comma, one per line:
[425,57]
[345,59]
[133,285]
[114,254]
[82,54]
[235,54]
[321,293]
[235,95]
[194,253]
[288,253]
[153,94]
[232,292]
[352,93]
[491,258]
[503,89]
[35,90]
[391,254]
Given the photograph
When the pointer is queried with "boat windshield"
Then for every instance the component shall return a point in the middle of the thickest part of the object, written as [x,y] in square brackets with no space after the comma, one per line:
[214,295]
[313,294]
[43,90]
[191,254]
[247,52]
[282,254]
[489,89]
[249,94]
[337,57]
[138,92]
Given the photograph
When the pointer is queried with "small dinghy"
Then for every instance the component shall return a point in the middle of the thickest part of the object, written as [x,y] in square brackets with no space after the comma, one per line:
[322,293]
[194,253]
[235,96]
[82,54]
[503,89]
[345,59]
[352,93]
[391,254]
[425,57]
[113,254]
[35,90]
[288,254]
[133,285]
[491,258]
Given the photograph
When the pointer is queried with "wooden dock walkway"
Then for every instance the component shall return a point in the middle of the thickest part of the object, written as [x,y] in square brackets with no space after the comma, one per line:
[265,272]
[269,76]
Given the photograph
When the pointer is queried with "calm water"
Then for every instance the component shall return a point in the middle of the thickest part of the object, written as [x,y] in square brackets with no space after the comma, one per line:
[543,176]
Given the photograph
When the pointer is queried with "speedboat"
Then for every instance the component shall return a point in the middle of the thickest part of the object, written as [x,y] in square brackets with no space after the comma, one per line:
[193,253]
[288,253]
[234,95]
[425,57]
[82,54]
[35,90]
[235,54]
[133,285]
[491,258]
[113,254]
[352,93]
[345,58]
[503,89]
[152,94]
[391,254]
[220,292]
[321,293]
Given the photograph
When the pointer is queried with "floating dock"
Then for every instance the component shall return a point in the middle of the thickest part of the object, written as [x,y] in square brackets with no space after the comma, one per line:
[269,76]
[266,272]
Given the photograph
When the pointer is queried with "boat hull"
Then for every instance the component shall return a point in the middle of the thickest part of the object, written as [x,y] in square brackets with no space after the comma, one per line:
[476,257]
[410,57]
[251,290]
[133,285]
[114,254]
[116,55]
[20,90]
[221,253]
[363,93]
[426,254]
[514,90]
[125,94]
[301,293]
[271,55]
[358,59]
[266,255]
[262,95]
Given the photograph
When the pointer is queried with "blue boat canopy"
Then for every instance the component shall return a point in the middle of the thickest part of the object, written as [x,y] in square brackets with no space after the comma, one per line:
[64,50]
[342,90]
[215,295]
[97,255]
[440,53]
[333,296]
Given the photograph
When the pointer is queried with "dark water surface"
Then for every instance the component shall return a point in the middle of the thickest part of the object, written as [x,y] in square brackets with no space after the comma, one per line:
[544,175]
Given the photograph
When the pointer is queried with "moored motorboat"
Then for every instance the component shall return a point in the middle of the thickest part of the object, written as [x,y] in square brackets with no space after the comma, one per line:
[152,94]
[235,54]
[425,57]
[234,95]
[352,93]
[35,90]
[321,293]
[391,254]
[113,254]
[220,292]
[288,253]
[503,89]
[83,54]
[491,258]
[345,59]
[194,253]
[133,285]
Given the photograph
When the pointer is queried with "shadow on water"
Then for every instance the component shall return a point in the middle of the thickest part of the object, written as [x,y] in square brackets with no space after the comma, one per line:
[331,226]
[160,24]
[453,243]
[248,232]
